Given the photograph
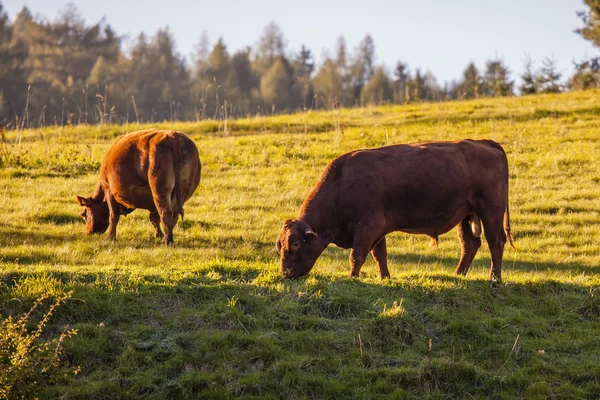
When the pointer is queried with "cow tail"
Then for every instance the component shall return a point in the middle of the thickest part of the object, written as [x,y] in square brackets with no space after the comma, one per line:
[177,157]
[507,225]
[506,222]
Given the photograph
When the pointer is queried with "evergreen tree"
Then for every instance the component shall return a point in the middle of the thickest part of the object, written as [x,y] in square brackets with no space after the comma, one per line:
[587,75]
[362,66]
[496,79]
[6,66]
[200,57]
[303,69]
[214,83]
[378,90]
[276,86]
[431,89]
[530,79]
[471,85]
[328,85]
[159,78]
[549,77]
[244,81]
[270,46]
[591,20]
[401,82]
[416,87]
[345,94]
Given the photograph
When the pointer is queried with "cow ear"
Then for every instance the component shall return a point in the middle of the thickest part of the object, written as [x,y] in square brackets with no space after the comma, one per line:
[310,236]
[84,201]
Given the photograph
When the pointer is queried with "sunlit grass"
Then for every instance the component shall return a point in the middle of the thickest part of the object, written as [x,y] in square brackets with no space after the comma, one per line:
[212,317]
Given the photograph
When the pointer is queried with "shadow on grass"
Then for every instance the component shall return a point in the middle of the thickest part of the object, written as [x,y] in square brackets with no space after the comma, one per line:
[249,324]
[9,236]
[507,265]
[58,218]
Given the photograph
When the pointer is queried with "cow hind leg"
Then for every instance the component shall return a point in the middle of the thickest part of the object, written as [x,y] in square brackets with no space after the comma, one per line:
[168,219]
[496,238]
[155,219]
[469,244]
[161,177]
[379,253]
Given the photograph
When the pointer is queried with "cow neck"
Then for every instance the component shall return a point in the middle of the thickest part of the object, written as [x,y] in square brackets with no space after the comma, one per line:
[99,192]
[320,219]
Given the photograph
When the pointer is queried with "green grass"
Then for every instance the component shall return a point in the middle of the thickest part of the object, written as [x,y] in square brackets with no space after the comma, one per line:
[211,318]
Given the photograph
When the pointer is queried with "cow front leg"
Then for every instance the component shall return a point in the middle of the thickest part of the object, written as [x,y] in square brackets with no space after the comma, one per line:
[379,253]
[114,212]
[155,219]
[364,239]
[358,256]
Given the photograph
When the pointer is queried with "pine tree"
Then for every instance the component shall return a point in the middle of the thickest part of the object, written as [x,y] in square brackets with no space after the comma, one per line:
[269,47]
[591,20]
[276,84]
[378,90]
[328,85]
[416,87]
[471,85]
[200,56]
[549,77]
[587,75]
[496,79]
[345,94]
[530,79]
[213,84]
[303,68]
[244,81]
[401,83]
[362,67]
[431,89]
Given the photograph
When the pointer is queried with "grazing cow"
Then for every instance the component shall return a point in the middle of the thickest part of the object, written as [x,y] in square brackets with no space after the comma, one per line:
[424,188]
[151,169]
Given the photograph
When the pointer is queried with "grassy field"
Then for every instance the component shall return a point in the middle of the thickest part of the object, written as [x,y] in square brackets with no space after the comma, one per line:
[212,318]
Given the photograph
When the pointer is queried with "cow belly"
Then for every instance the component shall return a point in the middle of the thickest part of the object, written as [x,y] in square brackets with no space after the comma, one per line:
[430,222]
[137,197]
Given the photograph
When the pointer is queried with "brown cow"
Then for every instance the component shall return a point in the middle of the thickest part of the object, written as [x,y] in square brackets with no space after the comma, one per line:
[151,169]
[424,188]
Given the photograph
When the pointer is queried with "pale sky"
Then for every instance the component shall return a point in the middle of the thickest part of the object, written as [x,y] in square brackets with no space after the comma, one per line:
[440,36]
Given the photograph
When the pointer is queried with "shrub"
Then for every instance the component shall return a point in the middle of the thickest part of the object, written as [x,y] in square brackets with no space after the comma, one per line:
[27,361]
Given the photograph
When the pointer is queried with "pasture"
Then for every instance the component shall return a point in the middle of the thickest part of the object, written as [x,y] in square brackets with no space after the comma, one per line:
[212,318]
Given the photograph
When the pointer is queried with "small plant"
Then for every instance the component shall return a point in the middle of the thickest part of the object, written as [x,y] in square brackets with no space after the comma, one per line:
[28,363]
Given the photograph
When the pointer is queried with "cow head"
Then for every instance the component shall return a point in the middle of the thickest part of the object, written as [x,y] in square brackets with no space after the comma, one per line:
[299,247]
[95,214]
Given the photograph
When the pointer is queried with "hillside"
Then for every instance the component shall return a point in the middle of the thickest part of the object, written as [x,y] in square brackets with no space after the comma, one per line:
[212,318]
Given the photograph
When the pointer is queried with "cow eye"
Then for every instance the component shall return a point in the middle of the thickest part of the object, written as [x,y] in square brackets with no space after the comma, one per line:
[83,214]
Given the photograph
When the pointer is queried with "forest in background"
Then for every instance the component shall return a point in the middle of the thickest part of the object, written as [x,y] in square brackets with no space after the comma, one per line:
[66,71]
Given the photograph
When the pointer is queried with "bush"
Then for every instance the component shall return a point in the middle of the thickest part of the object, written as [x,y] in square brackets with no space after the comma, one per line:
[27,361]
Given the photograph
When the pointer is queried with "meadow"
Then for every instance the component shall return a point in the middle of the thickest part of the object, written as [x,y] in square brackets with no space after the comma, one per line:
[212,318]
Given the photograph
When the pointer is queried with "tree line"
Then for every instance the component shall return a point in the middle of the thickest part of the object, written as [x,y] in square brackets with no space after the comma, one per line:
[69,72]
